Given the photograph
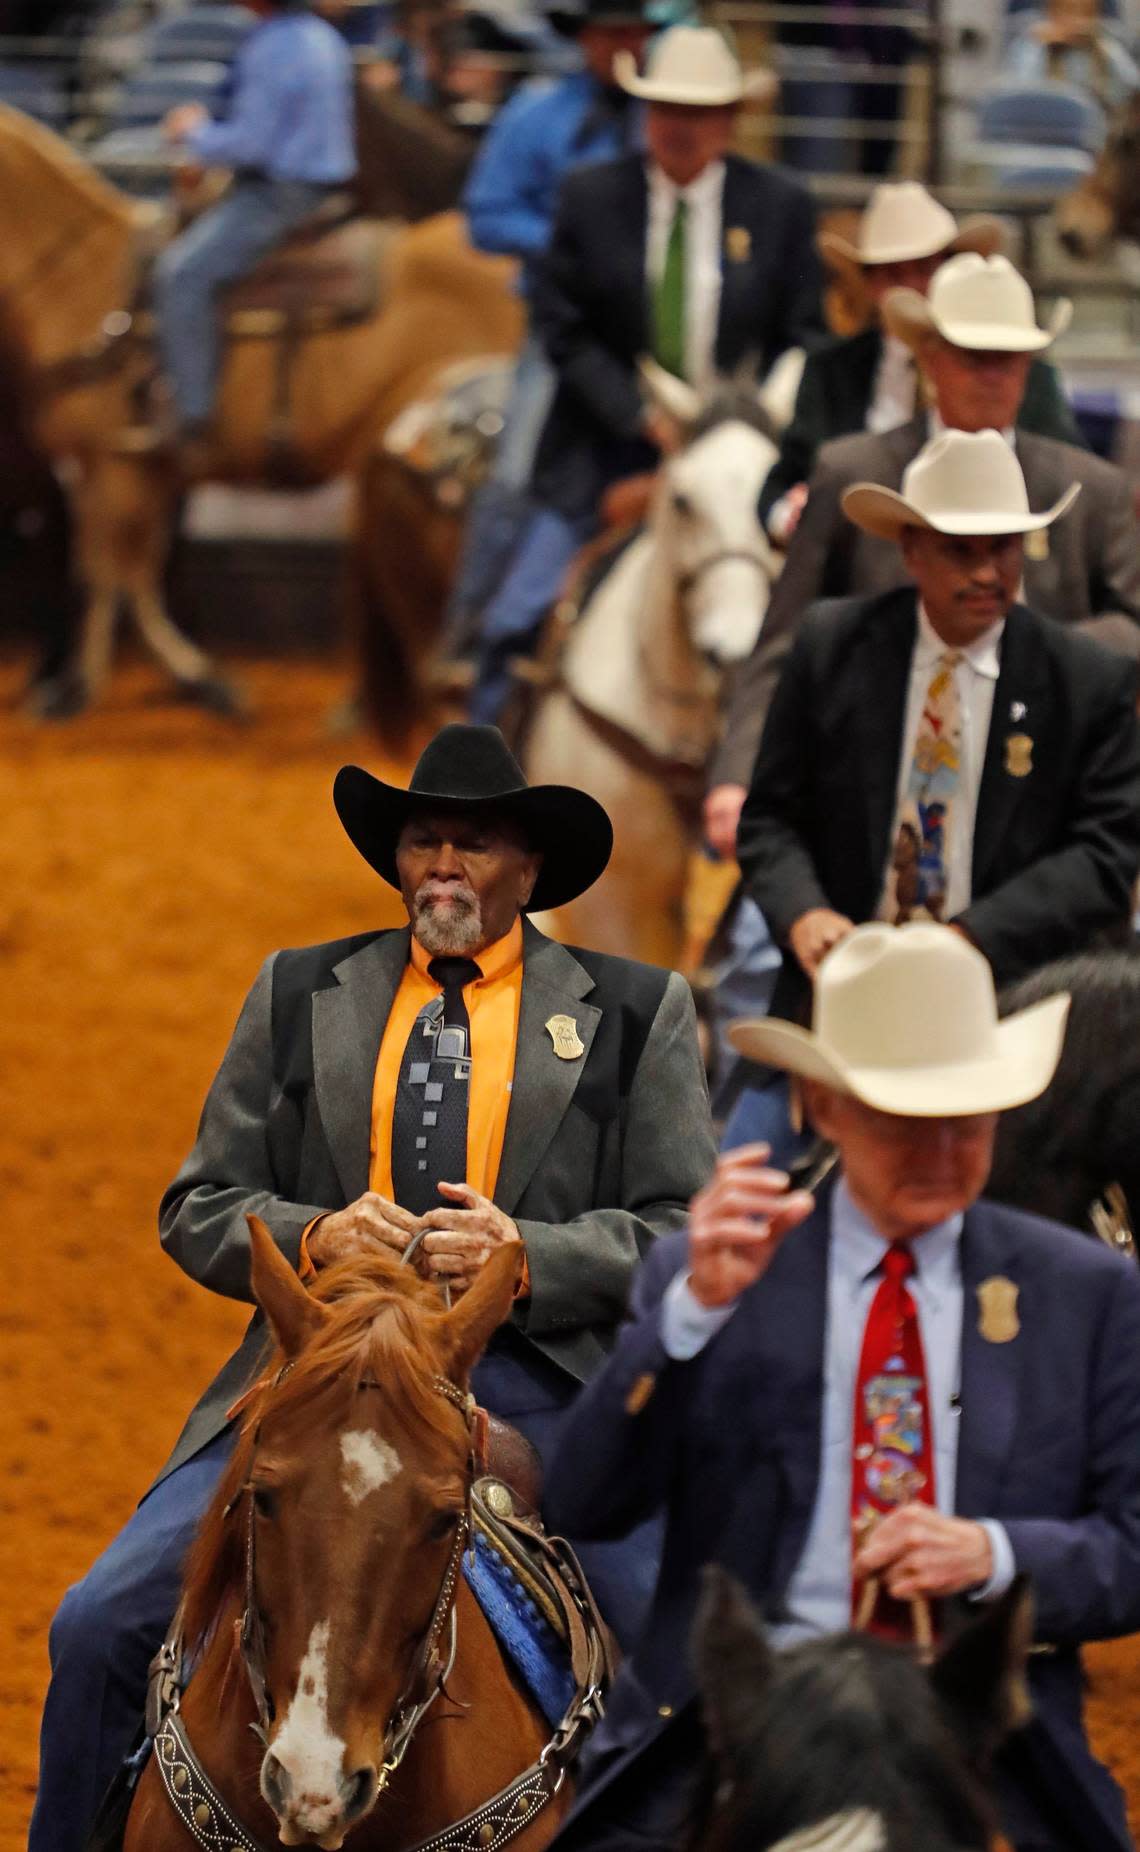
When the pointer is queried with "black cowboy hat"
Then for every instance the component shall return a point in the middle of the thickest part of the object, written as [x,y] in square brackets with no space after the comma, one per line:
[471,769]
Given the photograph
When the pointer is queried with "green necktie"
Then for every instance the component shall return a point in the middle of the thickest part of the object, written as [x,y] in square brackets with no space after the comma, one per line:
[669,299]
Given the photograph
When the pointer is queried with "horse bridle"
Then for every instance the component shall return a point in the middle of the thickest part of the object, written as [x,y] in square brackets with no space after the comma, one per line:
[428,1673]
[686,697]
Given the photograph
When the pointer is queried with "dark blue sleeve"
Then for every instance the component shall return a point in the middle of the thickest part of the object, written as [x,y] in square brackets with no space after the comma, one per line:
[615,1460]
[1086,1570]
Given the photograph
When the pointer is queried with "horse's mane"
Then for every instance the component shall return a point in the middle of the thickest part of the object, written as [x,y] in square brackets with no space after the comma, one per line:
[735,399]
[54,156]
[381,1329]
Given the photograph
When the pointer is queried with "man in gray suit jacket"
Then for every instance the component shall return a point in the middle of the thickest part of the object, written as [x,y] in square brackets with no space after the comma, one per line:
[1088,572]
[582,1132]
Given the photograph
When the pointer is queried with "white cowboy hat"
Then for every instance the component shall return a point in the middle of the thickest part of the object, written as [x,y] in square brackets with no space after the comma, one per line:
[977,302]
[906,1020]
[961,482]
[902,221]
[694,65]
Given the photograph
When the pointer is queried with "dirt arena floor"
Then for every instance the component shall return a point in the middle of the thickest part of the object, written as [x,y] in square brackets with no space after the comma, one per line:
[152,856]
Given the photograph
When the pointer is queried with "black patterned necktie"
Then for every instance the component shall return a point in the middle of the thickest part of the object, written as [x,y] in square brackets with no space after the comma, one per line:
[429,1125]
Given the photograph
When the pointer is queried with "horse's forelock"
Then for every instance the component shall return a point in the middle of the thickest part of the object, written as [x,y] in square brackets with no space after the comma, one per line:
[379,1332]
[733,402]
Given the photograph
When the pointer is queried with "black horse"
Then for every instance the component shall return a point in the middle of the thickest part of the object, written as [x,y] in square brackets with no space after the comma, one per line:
[848,1744]
[1061,1155]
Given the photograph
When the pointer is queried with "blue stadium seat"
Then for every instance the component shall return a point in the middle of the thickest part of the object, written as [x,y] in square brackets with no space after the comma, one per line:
[1033,169]
[210,33]
[1044,115]
[36,88]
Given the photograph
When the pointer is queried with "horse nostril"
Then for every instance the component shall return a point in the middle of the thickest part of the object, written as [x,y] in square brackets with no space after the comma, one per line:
[275,1783]
[360,1791]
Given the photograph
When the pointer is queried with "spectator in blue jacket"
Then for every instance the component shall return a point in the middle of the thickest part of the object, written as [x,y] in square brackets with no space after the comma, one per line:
[289,140]
[547,129]
[1070,44]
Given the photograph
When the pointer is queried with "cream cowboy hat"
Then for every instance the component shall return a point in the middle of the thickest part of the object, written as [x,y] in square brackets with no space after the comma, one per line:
[905,1019]
[693,65]
[903,221]
[979,302]
[961,482]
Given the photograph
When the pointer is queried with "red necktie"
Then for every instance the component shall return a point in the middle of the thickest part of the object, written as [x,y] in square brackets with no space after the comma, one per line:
[893,1452]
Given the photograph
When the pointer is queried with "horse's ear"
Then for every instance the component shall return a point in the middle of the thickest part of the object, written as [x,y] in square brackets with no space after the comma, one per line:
[980,1675]
[734,1665]
[470,1324]
[293,1316]
[672,395]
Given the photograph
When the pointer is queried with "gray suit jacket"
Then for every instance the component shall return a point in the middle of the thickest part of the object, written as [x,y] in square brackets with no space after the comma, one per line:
[1091,569]
[601,1154]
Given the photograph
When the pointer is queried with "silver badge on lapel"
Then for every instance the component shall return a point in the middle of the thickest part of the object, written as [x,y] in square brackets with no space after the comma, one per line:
[563,1032]
[1017,710]
[998,1322]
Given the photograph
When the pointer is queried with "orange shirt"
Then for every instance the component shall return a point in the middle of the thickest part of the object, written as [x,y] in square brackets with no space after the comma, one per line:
[493,1009]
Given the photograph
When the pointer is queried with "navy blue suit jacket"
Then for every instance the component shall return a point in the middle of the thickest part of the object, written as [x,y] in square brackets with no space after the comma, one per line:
[729,1444]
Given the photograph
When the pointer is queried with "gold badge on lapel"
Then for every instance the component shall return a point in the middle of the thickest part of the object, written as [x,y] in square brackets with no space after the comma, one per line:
[1018,755]
[1037,543]
[563,1032]
[997,1310]
[737,244]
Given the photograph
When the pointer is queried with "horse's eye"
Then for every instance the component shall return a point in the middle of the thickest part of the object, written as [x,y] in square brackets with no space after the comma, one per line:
[442,1525]
[264,1501]
[681,503]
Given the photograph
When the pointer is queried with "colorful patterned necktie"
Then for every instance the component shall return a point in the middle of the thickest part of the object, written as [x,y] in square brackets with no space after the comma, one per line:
[919,872]
[892,1449]
[429,1125]
[669,299]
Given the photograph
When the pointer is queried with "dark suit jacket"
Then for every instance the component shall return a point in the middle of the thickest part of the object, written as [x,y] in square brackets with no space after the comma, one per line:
[1055,851]
[1092,565]
[591,311]
[601,1153]
[728,1445]
[835,397]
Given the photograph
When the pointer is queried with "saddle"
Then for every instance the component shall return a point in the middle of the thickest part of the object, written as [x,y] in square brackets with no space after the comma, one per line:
[326,276]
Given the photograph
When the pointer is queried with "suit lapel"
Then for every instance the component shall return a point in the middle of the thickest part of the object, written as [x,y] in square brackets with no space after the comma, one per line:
[855,377]
[990,1370]
[631,232]
[348,1024]
[554,984]
[884,677]
[794,1312]
[1017,714]
[736,273]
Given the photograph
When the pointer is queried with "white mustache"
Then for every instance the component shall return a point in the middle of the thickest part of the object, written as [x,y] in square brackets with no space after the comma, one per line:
[445,890]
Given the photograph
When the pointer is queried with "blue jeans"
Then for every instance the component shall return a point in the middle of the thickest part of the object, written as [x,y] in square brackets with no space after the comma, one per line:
[743,984]
[513,619]
[226,243]
[107,1630]
[500,509]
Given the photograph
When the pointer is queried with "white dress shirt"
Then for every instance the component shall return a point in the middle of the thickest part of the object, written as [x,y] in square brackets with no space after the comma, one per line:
[704,199]
[819,1593]
[976,676]
[894,388]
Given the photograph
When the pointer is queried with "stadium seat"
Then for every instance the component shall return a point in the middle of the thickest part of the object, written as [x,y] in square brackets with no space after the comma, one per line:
[1042,116]
[36,88]
[151,92]
[1012,166]
[209,34]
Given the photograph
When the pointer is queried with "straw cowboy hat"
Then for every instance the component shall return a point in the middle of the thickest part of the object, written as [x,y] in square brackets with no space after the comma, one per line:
[906,1020]
[961,482]
[470,769]
[693,65]
[902,221]
[978,302]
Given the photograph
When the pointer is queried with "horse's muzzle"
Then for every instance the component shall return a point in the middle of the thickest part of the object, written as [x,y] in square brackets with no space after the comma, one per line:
[325,1818]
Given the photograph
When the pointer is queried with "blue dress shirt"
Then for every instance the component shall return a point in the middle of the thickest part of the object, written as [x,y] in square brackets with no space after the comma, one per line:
[292,114]
[543,132]
[819,1594]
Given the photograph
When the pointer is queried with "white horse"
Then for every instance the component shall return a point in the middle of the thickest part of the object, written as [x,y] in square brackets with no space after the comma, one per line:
[633,709]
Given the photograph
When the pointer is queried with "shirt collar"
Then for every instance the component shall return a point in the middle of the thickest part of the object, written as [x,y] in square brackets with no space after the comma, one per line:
[705,190]
[858,1247]
[496,961]
[983,654]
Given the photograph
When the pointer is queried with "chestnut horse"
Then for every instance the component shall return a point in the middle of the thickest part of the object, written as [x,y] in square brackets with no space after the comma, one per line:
[68,261]
[1106,204]
[338,1530]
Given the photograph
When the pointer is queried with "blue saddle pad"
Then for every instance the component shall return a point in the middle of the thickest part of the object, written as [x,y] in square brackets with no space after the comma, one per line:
[522,1630]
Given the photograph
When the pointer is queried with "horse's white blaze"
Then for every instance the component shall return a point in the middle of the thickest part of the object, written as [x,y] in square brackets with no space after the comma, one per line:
[369,1462]
[861,1831]
[311,1755]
